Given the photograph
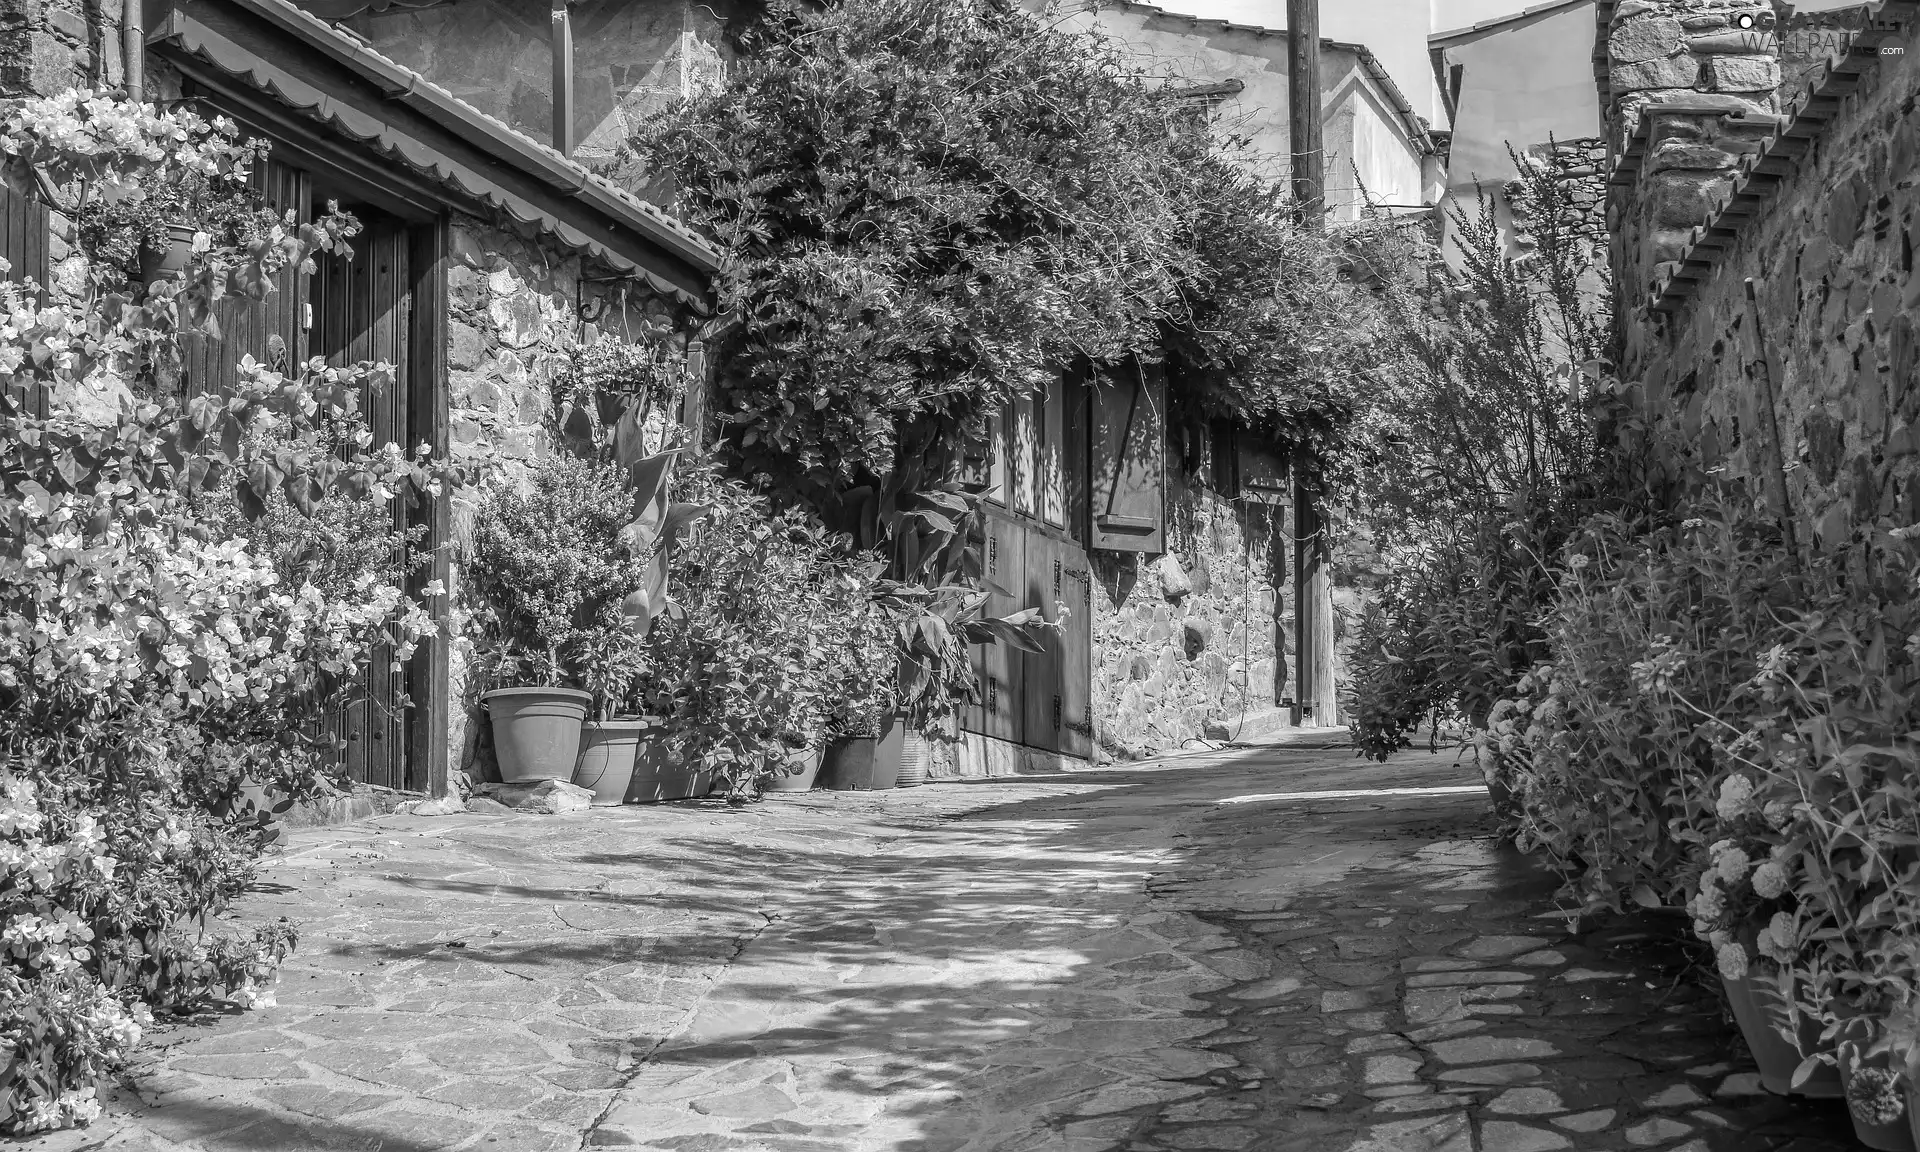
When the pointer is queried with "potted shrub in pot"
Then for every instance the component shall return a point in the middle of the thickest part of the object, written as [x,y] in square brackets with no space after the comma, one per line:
[1745,907]
[555,570]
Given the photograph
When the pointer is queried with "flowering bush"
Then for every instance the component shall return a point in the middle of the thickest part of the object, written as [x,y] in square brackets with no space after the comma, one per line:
[772,612]
[147,658]
[1728,727]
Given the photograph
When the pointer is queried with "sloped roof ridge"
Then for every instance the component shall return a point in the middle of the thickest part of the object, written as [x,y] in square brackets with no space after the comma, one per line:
[1439,39]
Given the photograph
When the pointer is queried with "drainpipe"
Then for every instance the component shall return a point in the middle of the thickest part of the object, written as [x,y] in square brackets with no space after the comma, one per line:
[133,48]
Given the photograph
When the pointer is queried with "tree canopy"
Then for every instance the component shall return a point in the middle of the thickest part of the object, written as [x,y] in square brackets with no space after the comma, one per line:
[934,205]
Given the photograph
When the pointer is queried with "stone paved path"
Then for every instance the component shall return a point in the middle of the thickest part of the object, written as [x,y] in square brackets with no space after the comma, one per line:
[1223,951]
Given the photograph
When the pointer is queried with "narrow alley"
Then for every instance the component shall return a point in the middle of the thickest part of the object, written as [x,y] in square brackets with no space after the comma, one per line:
[1279,949]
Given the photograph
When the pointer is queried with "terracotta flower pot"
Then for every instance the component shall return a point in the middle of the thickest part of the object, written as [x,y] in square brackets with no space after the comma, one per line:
[536,732]
[1765,1024]
[608,749]
[799,773]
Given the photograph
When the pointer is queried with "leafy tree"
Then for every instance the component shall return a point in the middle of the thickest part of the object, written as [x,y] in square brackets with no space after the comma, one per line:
[936,204]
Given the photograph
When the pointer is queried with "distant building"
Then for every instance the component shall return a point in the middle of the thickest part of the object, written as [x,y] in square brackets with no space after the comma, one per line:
[1380,151]
[1519,81]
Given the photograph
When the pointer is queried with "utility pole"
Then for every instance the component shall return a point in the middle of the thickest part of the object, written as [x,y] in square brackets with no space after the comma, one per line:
[1314,691]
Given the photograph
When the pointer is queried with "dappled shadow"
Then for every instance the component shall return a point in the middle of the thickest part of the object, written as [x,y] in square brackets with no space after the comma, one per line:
[965,974]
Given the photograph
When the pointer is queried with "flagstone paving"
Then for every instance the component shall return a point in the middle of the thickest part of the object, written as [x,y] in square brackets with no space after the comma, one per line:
[1240,950]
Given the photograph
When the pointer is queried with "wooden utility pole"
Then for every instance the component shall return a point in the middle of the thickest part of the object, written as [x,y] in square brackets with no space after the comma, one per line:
[1313,691]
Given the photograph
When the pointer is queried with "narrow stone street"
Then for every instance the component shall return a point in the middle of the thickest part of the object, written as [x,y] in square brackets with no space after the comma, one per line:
[1281,949]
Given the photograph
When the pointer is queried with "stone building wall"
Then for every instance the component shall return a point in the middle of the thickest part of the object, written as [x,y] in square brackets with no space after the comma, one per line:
[517,309]
[1828,248]
[47,46]
[1185,642]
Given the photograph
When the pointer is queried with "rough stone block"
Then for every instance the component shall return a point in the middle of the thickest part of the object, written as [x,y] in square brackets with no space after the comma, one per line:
[1750,42]
[1743,73]
[546,797]
[1645,38]
[1671,72]
[466,349]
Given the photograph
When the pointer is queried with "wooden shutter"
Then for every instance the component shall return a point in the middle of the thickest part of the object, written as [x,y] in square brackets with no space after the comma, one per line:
[23,243]
[1129,437]
[1262,470]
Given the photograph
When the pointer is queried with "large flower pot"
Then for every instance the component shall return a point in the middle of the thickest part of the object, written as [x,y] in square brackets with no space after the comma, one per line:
[1913,1112]
[536,732]
[657,776]
[1764,1022]
[607,752]
[863,763]
[799,773]
[915,757]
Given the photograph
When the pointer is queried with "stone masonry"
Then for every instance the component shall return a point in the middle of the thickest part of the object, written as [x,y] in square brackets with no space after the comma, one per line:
[1190,637]
[47,46]
[1816,211]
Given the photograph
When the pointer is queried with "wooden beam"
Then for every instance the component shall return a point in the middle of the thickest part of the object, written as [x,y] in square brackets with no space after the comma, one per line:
[562,38]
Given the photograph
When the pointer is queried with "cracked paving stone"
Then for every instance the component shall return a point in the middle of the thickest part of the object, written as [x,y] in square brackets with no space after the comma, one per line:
[1586,1121]
[1658,1130]
[1526,1102]
[1675,1096]
[1430,1102]
[1498,947]
[1741,1084]
[1507,1136]
[1491,1074]
[1221,1136]
[1383,1070]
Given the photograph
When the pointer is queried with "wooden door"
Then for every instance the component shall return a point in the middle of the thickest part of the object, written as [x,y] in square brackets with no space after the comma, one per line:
[1002,672]
[272,331]
[23,244]
[362,310]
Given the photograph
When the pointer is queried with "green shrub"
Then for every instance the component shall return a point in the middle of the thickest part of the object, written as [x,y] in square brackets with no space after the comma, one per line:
[547,572]
[773,626]
[1731,728]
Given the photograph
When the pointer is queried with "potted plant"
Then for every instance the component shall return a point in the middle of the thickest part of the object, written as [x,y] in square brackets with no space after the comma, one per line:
[863,748]
[744,652]
[1745,907]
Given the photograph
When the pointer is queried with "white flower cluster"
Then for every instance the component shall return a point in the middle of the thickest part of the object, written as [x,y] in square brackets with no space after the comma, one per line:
[67,130]
[143,612]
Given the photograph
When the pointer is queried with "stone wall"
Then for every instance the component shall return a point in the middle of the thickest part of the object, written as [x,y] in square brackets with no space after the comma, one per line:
[1184,642]
[1720,51]
[47,46]
[517,308]
[1828,248]
[1578,167]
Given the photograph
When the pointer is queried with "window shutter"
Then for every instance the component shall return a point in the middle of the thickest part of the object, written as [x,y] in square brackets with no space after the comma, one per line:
[1261,469]
[23,244]
[1129,458]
